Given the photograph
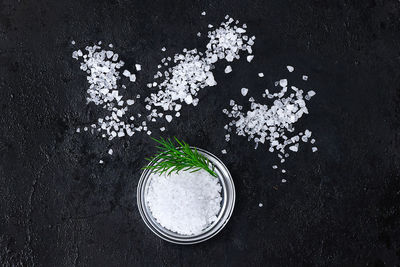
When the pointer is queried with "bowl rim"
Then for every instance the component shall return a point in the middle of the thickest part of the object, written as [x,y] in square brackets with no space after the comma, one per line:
[187,241]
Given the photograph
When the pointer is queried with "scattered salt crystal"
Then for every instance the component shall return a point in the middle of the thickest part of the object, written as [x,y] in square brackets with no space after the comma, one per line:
[162,129]
[283,171]
[305,77]
[78,130]
[138,67]
[228,69]
[250,58]
[284,181]
[260,74]
[314,149]
[199,34]
[290,68]
[72,42]
[101,161]
[163,49]
[223,151]
[260,205]
[168,118]
[126,73]
[130,102]
[203,13]
[244,91]
[110,151]
[283,82]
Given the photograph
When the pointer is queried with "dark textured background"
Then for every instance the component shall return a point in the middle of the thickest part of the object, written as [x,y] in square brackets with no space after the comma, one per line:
[340,206]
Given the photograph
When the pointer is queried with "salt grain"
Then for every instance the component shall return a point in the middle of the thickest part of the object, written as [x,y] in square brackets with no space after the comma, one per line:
[228,69]
[290,68]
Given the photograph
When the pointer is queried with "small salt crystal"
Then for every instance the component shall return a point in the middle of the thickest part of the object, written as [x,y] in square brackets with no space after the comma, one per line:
[199,34]
[274,167]
[284,181]
[283,82]
[78,130]
[72,42]
[203,13]
[223,151]
[260,205]
[228,69]
[162,129]
[130,102]
[283,171]
[126,73]
[260,74]
[290,68]
[138,67]
[101,161]
[314,149]
[305,77]
[168,118]
[110,151]
[250,58]
[244,91]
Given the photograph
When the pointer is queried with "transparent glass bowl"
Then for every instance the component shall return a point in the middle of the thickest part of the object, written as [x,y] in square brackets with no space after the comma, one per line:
[227,204]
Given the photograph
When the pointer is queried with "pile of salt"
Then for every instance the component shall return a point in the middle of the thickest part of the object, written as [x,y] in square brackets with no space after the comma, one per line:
[184,202]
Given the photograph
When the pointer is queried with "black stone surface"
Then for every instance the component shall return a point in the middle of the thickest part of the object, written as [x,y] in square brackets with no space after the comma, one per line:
[340,206]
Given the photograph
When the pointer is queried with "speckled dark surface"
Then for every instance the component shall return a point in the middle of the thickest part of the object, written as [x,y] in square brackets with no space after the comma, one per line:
[340,206]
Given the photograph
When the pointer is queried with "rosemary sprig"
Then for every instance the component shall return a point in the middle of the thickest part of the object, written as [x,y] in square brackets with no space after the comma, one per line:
[174,159]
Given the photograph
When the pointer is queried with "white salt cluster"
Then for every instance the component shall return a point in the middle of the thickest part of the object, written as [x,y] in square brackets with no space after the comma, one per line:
[192,69]
[103,73]
[185,203]
[273,125]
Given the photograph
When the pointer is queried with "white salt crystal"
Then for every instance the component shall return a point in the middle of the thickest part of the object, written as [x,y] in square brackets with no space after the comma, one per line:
[283,82]
[290,68]
[223,151]
[168,118]
[162,129]
[314,149]
[101,161]
[305,77]
[244,91]
[283,171]
[228,69]
[250,58]
[73,42]
[130,102]
[260,205]
[260,74]
[110,151]
[189,99]
[126,73]
[78,130]
[163,49]
[284,181]
[203,13]
[138,67]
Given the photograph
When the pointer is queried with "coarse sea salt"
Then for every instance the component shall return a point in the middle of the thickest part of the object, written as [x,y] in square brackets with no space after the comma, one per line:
[184,202]
[193,69]
[103,67]
[272,124]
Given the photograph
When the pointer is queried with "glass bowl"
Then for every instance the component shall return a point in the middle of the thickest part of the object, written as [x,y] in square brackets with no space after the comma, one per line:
[227,204]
